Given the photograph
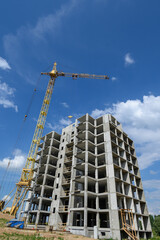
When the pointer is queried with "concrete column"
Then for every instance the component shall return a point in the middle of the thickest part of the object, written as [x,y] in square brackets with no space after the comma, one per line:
[86,186]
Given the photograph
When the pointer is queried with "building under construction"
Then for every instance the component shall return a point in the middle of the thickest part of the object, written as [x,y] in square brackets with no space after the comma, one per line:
[87,181]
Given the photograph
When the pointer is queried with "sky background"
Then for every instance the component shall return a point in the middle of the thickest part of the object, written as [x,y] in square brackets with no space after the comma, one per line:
[119,38]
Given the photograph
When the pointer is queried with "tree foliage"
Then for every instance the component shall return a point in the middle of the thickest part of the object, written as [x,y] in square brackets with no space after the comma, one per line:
[155,223]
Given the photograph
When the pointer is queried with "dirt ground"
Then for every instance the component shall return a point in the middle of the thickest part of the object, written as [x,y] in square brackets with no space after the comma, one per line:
[47,235]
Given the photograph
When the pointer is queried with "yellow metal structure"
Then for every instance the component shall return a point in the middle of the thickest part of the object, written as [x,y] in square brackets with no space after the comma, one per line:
[128,223]
[27,172]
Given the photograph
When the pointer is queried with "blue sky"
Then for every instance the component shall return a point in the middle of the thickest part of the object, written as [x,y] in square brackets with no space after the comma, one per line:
[119,38]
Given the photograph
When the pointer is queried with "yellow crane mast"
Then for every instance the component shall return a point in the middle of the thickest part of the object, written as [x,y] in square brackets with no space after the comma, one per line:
[24,184]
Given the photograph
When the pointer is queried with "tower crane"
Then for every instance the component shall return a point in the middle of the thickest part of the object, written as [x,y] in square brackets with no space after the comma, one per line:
[24,184]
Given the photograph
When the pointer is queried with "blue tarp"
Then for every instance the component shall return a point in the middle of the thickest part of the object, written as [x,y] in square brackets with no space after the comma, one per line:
[15,223]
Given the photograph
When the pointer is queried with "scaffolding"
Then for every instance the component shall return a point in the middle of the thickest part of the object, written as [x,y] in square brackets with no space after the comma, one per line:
[128,223]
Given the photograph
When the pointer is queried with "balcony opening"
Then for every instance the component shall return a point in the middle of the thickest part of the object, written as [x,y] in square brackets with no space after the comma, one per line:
[119,134]
[43,219]
[91,128]
[99,121]
[130,169]
[138,182]
[57,136]
[91,148]
[46,206]
[79,173]
[124,176]
[32,218]
[103,203]
[90,120]
[78,202]
[140,223]
[100,129]
[102,187]
[132,151]
[51,172]
[126,189]
[112,129]
[140,194]
[129,203]
[91,137]
[63,219]
[91,160]
[104,220]
[145,221]
[148,235]
[137,207]
[120,143]
[123,163]
[113,120]
[49,182]
[116,160]
[63,207]
[113,139]
[91,219]
[100,149]
[119,187]
[34,206]
[47,193]
[117,173]
[101,160]
[125,138]
[121,153]
[134,160]
[100,138]
[91,203]
[134,193]
[130,142]
[91,173]
[101,173]
[79,186]
[136,171]
[55,143]
[78,219]
[143,207]
[120,202]
[91,187]
[65,191]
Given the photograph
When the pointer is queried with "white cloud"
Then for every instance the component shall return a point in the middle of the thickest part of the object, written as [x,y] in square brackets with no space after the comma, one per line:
[65,122]
[152,184]
[4,88]
[128,59]
[60,125]
[6,198]
[6,94]
[113,78]
[4,64]
[152,193]
[140,121]
[31,37]
[17,162]
[153,172]
[65,104]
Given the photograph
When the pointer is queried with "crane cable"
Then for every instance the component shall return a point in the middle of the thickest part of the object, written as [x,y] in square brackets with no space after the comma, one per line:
[20,130]
[19,135]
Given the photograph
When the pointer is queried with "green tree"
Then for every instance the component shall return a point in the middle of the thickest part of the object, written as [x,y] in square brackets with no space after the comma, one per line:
[151,220]
[156,225]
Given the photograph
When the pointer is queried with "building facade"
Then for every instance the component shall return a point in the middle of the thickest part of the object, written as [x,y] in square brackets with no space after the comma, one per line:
[84,177]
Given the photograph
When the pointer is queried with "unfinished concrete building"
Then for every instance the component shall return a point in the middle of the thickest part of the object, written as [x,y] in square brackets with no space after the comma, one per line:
[87,181]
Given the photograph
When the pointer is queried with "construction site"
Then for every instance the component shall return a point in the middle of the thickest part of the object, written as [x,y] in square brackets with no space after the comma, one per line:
[85,181]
